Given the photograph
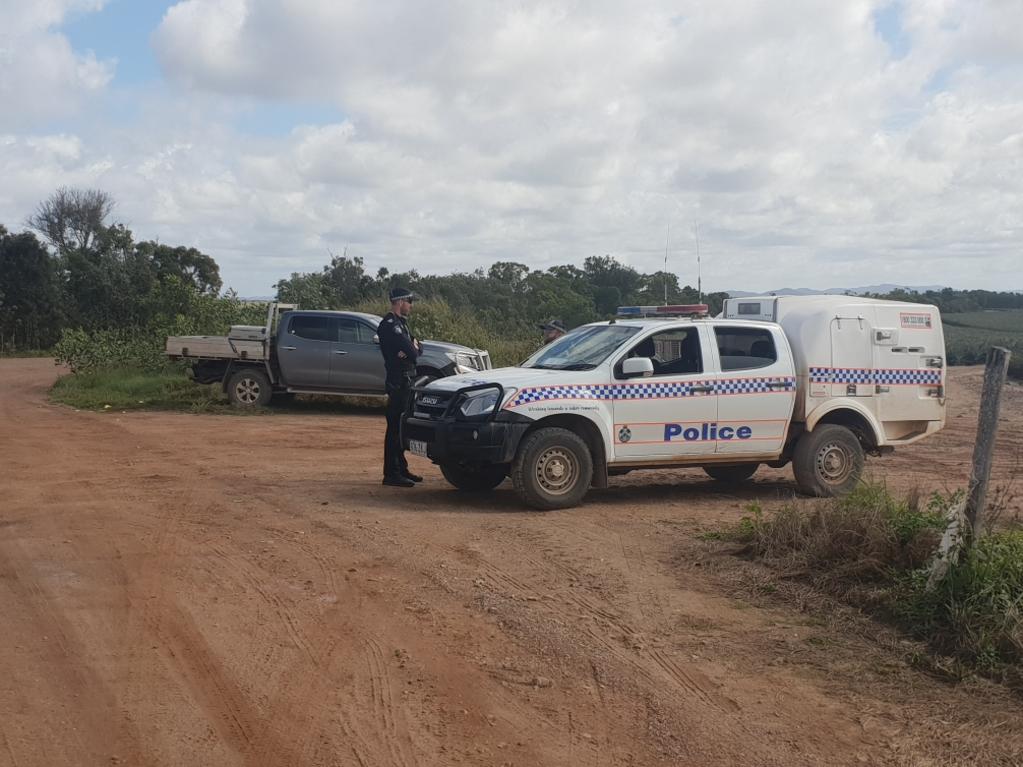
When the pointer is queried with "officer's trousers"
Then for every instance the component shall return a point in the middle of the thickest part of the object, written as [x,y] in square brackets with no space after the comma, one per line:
[395,464]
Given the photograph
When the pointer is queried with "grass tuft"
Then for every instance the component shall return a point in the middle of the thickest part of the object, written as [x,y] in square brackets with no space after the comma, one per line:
[873,550]
[133,389]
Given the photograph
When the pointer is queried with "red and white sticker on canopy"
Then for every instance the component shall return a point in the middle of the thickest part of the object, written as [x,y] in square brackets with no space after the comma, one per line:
[916,320]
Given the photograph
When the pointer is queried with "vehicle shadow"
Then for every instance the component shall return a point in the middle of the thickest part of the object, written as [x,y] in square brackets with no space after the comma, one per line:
[434,496]
[307,404]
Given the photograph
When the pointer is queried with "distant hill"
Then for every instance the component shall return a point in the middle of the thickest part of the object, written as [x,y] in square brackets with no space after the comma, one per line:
[884,288]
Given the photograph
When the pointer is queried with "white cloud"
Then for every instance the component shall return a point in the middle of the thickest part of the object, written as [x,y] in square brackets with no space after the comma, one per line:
[546,132]
[41,77]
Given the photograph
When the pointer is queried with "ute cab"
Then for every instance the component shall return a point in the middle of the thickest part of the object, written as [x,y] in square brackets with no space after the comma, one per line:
[667,386]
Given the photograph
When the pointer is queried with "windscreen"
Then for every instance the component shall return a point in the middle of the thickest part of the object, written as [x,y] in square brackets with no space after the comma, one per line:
[582,349]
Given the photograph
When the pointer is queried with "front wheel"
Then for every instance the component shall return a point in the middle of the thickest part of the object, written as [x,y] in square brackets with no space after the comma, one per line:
[474,479]
[553,469]
[731,473]
[249,388]
[828,461]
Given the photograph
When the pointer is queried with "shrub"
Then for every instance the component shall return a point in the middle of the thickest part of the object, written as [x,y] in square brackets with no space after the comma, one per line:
[179,311]
[435,319]
[863,536]
[974,614]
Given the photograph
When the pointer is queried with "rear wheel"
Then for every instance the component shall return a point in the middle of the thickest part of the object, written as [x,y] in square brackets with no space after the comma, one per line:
[553,469]
[731,473]
[474,479]
[249,388]
[828,461]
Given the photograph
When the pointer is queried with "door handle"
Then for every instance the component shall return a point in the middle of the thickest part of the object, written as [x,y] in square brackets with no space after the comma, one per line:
[703,389]
[288,348]
[777,385]
[338,352]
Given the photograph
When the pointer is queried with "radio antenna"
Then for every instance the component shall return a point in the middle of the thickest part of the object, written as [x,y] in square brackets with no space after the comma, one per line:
[667,238]
[699,280]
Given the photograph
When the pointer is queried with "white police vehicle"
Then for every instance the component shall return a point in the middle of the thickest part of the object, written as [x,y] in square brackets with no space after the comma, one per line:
[818,381]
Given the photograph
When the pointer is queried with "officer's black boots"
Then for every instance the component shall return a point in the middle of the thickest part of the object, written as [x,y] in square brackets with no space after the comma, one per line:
[409,475]
[399,482]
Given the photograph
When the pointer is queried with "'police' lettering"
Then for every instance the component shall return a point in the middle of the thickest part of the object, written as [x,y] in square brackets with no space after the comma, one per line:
[707,432]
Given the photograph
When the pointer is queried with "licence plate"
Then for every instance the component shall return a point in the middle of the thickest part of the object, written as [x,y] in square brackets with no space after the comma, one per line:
[418,447]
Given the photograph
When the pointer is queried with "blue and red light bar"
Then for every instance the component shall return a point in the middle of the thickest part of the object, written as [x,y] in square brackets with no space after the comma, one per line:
[676,310]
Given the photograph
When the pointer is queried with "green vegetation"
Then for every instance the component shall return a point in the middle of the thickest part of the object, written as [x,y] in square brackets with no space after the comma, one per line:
[116,389]
[119,389]
[873,550]
[100,300]
[969,335]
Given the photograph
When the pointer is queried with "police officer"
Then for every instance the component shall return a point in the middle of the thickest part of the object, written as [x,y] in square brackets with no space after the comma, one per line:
[552,331]
[400,351]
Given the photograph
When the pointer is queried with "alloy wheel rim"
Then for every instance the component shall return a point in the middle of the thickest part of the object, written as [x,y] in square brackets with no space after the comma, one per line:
[247,391]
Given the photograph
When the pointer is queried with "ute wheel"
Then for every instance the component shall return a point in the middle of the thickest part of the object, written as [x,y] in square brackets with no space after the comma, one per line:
[249,388]
[828,461]
[731,472]
[553,469]
[474,479]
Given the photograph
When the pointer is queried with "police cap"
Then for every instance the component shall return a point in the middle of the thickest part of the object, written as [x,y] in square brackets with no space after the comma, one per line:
[553,325]
[401,294]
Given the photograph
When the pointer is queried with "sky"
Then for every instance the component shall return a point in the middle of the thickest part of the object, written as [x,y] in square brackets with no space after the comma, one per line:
[809,143]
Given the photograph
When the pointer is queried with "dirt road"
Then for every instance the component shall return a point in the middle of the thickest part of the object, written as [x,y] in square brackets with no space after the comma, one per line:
[220,590]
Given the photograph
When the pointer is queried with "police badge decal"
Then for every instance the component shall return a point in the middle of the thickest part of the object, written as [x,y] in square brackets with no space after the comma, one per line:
[624,434]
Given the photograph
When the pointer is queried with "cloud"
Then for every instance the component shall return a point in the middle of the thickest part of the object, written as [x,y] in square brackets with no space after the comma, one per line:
[41,77]
[809,151]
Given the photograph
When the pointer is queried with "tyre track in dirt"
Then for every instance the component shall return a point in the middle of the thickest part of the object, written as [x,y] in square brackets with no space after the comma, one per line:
[230,600]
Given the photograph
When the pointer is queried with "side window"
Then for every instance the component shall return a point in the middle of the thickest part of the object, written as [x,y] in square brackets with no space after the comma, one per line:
[366,333]
[674,352]
[745,348]
[349,331]
[314,328]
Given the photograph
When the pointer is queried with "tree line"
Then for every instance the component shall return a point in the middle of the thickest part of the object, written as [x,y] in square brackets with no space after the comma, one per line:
[73,271]
[82,272]
[509,298]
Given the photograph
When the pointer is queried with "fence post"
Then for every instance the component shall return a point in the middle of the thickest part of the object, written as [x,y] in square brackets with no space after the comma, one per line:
[987,429]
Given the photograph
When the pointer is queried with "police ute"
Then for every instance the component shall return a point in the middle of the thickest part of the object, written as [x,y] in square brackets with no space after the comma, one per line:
[815,381]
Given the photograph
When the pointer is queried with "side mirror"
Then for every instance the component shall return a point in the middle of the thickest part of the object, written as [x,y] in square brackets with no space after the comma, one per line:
[376,338]
[635,367]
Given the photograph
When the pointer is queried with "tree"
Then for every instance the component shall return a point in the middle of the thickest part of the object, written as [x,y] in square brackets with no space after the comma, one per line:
[72,219]
[307,291]
[30,314]
[189,264]
[613,283]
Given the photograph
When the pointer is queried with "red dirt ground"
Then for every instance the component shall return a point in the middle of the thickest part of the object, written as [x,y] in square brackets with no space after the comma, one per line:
[213,590]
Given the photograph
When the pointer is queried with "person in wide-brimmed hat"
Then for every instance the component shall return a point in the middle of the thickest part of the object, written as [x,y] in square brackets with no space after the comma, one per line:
[552,330]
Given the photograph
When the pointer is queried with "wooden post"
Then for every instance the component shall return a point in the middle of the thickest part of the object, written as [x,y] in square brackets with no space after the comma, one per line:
[987,429]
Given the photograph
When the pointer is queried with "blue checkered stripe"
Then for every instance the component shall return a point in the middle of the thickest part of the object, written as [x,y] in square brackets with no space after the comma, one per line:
[885,376]
[650,390]
[754,385]
[543,393]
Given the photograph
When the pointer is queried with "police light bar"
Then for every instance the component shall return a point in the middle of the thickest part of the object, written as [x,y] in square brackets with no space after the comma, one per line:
[677,310]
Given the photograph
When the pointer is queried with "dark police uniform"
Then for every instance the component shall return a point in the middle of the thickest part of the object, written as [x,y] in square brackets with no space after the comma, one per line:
[395,338]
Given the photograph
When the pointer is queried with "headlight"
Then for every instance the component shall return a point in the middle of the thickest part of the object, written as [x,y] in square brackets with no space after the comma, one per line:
[463,359]
[479,403]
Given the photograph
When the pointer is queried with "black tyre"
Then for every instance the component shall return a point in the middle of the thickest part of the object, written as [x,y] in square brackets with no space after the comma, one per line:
[553,469]
[249,388]
[732,472]
[828,461]
[474,479]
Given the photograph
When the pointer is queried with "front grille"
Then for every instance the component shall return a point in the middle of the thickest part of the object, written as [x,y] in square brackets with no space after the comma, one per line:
[431,404]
